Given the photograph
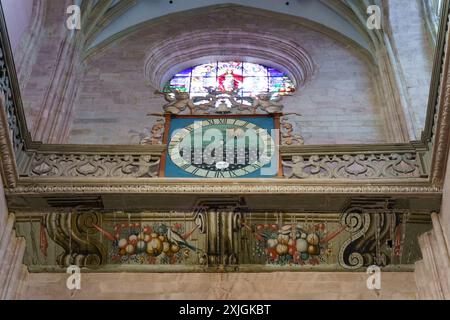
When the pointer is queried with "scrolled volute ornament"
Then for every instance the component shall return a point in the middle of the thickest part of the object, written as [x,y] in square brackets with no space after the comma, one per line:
[75,233]
[356,222]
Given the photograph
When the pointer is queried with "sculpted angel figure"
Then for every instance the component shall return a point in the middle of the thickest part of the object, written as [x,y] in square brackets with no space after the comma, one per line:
[177,102]
[288,134]
[269,103]
[147,167]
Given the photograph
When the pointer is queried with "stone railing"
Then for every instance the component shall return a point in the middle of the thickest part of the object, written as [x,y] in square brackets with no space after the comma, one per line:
[93,165]
[353,166]
[307,164]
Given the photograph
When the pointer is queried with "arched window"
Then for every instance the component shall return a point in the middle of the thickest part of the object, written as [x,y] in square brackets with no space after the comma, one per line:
[245,79]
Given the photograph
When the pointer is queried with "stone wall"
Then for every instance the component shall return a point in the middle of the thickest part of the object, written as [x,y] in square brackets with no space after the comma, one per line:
[37,63]
[201,286]
[414,53]
[12,272]
[18,19]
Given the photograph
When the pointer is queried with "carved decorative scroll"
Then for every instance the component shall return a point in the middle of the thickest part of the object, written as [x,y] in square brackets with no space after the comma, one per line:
[74,233]
[376,235]
[357,223]
[8,103]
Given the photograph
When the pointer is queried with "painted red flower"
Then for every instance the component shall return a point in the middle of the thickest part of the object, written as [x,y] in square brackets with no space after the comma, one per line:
[177,226]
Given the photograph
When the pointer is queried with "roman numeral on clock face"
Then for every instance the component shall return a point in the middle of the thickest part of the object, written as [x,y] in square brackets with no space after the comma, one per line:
[219,174]
[217,121]
[185,166]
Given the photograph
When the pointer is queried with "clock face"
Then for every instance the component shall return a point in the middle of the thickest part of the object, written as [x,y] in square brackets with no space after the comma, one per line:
[221,148]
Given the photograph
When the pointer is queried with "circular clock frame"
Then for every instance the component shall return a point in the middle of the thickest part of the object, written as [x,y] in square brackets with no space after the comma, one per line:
[174,149]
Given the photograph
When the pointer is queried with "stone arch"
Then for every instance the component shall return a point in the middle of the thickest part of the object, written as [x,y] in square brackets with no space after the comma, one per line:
[194,48]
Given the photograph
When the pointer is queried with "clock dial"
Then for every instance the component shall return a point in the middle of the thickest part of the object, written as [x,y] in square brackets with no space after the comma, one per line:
[221,148]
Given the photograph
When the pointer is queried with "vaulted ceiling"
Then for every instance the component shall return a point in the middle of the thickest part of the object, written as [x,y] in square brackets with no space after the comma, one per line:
[110,19]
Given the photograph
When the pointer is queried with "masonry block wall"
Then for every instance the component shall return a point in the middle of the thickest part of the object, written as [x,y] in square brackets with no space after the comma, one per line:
[414,52]
[37,69]
[340,104]
[18,17]
[201,286]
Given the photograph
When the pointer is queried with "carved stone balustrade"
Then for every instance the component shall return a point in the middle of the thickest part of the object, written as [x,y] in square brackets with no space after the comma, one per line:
[93,165]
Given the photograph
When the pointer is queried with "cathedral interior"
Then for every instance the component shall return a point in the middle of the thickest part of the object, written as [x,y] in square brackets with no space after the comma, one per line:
[224,149]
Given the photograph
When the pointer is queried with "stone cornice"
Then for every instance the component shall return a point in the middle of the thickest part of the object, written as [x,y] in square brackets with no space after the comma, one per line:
[221,187]
[441,133]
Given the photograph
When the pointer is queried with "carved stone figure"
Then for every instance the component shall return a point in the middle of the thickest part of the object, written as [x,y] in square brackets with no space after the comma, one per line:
[177,102]
[269,103]
[154,135]
[148,168]
[289,136]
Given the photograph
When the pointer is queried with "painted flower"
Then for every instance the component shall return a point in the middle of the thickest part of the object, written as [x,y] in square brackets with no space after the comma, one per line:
[177,226]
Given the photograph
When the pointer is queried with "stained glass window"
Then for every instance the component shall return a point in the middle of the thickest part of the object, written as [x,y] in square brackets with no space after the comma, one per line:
[247,79]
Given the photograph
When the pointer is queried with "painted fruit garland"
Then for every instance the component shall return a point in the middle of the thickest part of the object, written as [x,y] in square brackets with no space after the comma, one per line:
[145,244]
[290,244]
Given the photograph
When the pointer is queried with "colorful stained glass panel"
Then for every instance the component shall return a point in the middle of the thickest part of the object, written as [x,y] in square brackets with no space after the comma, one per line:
[181,84]
[249,79]
[184,73]
[255,85]
[205,70]
[254,70]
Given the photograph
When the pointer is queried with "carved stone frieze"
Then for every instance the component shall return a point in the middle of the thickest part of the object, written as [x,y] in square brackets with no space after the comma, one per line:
[218,102]
[95,166]
[8,163]
[359,166]
[8,103]
[347,166]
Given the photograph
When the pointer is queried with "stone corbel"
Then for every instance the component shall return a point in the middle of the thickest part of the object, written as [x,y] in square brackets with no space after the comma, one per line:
[221,225]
